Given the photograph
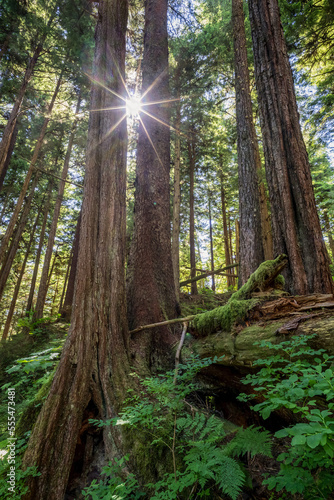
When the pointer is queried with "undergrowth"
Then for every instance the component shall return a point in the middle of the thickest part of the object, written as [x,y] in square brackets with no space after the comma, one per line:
[201,459]
[301,380]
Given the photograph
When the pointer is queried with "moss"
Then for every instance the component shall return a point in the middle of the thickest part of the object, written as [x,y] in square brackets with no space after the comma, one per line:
[222,318]
[279,282]
[31,412]
[236,309]
[263,277]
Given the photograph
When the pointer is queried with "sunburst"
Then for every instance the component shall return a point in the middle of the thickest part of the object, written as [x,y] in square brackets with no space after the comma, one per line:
[134,106]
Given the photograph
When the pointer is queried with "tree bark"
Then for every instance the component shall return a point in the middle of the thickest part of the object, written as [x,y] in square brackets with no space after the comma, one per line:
[9,155]
[295,222]
[213,284]
[251,234]
[39,143]
[67,306]
[9,129]
[18,283]
[329,233]
[151,291]
[177,199]
[93,368]
[225,230]
[191,154]
[42,290]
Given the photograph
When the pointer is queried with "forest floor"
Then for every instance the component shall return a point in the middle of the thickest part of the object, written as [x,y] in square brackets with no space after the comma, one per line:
[274,319]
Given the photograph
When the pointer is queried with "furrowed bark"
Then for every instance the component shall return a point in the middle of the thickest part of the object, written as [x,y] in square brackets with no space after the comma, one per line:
[177,200]
[66,309]
[151,291]
[191,154]
[295,221]
[251,234]
[93,368]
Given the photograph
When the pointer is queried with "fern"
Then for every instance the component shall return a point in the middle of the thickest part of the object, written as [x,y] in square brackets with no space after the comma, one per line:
[230,477]
[252,440]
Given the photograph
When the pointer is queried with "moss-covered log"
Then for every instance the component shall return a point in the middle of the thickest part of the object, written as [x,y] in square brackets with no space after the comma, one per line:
[238,349]
[241,302]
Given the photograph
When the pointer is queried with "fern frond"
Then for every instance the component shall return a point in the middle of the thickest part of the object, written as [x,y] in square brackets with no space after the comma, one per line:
[253,440]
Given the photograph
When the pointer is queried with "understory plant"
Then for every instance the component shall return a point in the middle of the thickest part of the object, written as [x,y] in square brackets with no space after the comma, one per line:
[300,379]
[201,459]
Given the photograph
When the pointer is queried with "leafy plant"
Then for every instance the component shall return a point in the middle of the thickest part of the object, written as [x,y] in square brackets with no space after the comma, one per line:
[199,459]
[300,379]
[20,474]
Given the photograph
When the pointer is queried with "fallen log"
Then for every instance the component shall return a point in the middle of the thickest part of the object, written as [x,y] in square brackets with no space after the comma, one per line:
[237,306]
[206,274]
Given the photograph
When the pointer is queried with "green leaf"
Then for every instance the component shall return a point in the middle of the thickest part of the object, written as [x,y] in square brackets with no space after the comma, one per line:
[314,440]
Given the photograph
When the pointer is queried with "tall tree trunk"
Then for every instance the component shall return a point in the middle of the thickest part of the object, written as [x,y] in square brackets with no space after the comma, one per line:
[7,134]
[42,290]
[191,154]
[225,231]
[151,291]
[251,239]
[14,245]
[329,233]
[9,155]
[94,365]
[295,221]
[40,247]
[68,268]
[18,283]
[39,143]
[213,284]
[177,202]
[67,306]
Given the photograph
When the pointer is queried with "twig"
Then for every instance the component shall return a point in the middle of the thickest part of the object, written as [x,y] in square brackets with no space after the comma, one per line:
[163,323]
[178,352]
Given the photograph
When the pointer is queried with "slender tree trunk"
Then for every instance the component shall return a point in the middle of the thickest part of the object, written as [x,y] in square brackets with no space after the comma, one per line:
[67,306]
[177,204]
[295,221]
[225,230]
[237,241]
[213,285]
[10,256]
[9,155]
[94,367]
[191,154]
[251,239]
[68,268]
[39,143]
[329,233]
[151,290]
[7,134]
[42,290]
[40,247]
[18,283]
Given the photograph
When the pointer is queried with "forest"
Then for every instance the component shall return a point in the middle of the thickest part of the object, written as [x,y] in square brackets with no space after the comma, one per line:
[166,249]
